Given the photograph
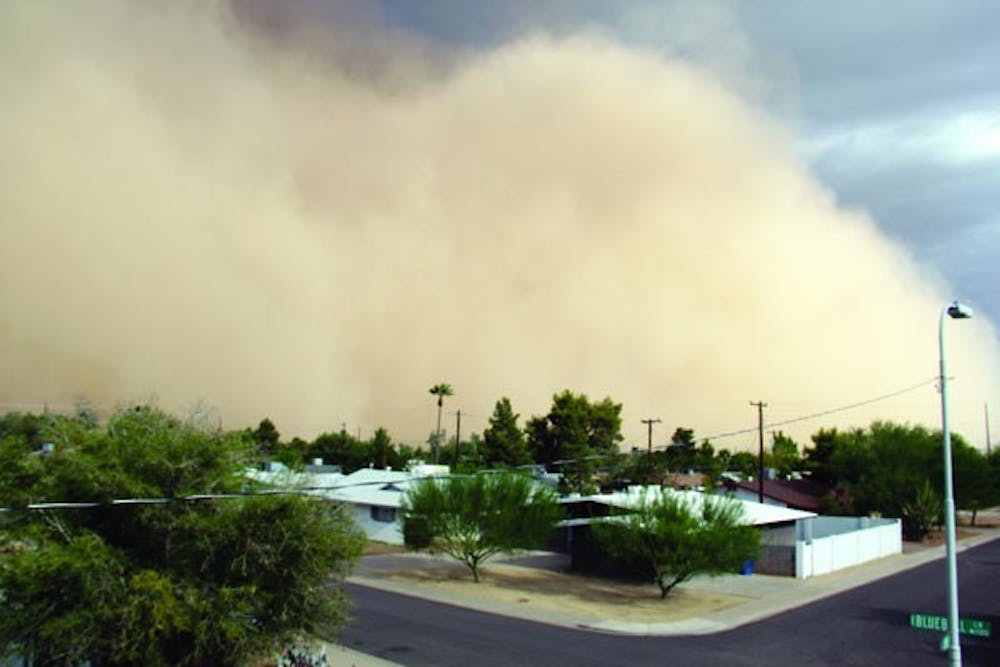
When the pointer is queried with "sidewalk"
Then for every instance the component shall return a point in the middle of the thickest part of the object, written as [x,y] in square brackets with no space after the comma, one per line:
[764,595]
[341,656]
[774,595]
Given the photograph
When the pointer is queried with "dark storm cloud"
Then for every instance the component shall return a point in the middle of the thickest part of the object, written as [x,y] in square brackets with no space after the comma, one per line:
[878,93]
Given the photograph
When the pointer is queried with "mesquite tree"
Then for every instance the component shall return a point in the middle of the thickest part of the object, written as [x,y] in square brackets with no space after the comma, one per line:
[673,537]
[473,518]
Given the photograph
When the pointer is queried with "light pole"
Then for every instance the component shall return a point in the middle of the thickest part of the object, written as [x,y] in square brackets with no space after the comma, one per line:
[957,311]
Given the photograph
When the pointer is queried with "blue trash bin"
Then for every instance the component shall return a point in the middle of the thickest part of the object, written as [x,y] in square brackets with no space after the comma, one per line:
[747,568]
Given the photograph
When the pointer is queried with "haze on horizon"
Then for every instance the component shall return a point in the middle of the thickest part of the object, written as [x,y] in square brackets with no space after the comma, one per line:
[316,224]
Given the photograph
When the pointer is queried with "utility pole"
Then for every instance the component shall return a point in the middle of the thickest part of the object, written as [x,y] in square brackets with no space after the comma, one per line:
[760,405]
[986,409]
[649,441]
[458,438]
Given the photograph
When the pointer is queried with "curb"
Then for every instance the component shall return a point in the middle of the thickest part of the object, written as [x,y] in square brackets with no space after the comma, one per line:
[806,592]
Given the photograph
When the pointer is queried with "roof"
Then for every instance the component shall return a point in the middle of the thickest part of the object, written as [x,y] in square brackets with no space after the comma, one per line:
[380,495]
[800,494]
[680,480]
[376,475]
[289,478]
[757,514]
[365,486]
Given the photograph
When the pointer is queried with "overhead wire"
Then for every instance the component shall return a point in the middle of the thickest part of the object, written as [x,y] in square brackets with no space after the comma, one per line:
[306,490]
[823,413]
[195,497]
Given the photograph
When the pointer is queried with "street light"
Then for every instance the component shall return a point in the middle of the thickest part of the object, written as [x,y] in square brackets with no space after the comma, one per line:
[957,311]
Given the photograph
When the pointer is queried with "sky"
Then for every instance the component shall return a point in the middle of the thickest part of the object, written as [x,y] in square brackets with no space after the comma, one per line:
[314,211]
[895,105]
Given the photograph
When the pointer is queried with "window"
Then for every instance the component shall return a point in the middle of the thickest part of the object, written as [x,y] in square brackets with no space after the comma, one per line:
[383,514]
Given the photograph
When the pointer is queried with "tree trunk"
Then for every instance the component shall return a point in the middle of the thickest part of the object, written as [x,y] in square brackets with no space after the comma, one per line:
[437,434]
[666,588]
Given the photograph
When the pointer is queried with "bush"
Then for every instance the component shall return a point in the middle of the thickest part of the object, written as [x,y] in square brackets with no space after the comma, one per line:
[674,538]
[473,518]
[208,582]
[921,514]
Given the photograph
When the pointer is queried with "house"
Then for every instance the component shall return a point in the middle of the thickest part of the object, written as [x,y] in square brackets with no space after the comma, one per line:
[372,496]
[684,481]
[796,543]
[800,494]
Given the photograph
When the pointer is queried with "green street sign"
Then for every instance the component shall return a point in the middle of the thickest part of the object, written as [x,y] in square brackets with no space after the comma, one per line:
[966,626]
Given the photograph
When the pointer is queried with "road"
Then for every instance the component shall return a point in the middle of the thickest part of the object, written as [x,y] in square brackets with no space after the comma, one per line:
[868,625]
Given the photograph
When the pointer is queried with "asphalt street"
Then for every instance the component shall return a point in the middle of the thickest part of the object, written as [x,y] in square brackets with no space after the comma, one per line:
[868,625]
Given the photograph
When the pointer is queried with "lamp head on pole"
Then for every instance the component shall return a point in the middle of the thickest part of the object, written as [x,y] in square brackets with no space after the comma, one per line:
[959,311]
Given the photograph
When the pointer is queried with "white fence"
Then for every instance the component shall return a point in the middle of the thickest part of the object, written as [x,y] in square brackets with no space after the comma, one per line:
[844,542]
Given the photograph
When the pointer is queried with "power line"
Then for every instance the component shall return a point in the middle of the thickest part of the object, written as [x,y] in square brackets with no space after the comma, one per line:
[823,413]
[306,489]
[196,497]
[784,422]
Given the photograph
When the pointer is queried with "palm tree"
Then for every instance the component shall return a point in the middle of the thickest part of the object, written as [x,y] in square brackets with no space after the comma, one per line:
[440,390]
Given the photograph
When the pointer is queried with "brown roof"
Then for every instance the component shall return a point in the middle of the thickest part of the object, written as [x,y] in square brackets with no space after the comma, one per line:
[800,494]
[679,480]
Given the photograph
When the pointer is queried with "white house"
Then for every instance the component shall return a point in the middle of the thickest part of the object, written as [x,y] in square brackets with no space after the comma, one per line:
[372,496]
[796,542]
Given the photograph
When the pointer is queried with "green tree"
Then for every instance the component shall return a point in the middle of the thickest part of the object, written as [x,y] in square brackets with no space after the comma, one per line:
[680,452]
[475,517]
[975,486]
[883,469]
[722,459]
[710,465]
[673,538]
[784,455]
[900,458]
[343,449]
[922,513]
[683,437]
[466,456]
[576,432]
[744,463]
[440,390]
[503,440]
[476,448]
[638,467]
[381,447]
[818,459]
[25,424]
[190,583]
[267,437]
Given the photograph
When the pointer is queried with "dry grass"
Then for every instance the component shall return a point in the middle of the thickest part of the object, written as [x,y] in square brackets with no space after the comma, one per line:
[382,549]
[599,599]
[937,537]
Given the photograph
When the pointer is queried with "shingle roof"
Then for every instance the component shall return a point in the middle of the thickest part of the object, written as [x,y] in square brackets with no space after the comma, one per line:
[800,494]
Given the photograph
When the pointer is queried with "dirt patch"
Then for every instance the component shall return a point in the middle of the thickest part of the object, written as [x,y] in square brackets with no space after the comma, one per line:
[936,538]
[382,549]
[983,521]
[597,599]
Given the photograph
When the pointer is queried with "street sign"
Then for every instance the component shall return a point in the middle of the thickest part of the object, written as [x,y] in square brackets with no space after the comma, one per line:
[966,626]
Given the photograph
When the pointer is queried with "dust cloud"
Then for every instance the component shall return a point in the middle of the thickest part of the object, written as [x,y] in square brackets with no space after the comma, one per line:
[317,225]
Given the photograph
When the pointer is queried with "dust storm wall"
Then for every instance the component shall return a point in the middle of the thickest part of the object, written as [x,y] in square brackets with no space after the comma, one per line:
[193,210]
